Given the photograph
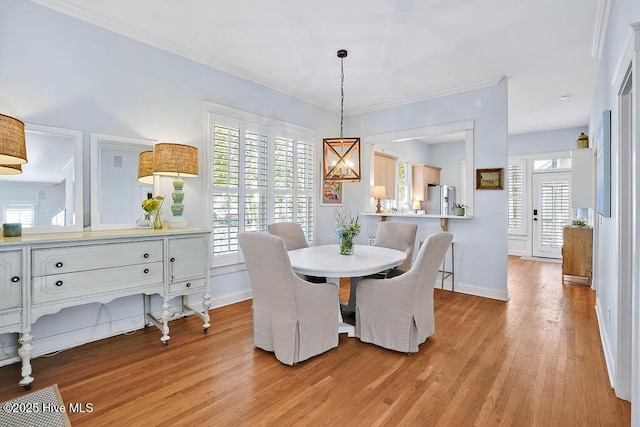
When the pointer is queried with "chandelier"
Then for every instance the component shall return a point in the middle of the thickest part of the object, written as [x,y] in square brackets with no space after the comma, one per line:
[341,155]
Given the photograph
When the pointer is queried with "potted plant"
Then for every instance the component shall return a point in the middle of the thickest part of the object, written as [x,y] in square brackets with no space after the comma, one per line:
[458,209]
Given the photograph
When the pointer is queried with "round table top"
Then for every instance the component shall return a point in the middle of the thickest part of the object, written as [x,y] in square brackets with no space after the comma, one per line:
[326,261]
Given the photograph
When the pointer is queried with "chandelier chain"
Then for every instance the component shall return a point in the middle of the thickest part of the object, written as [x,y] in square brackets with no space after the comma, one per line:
[341,96]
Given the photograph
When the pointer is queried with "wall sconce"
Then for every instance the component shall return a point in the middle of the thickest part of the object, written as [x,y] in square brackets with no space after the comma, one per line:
[582,141]
[341,155]
[379,192]
[180,161]
[13,148]
[145,167]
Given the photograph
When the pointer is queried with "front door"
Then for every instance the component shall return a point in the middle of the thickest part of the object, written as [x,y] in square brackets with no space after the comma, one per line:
[551,212]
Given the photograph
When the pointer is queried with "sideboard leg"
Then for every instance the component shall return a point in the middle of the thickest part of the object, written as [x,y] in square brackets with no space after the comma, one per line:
[165,323]
[25,351]
[206,303]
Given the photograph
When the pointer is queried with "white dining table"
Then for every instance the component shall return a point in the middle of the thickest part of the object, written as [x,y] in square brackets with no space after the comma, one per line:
[326,261]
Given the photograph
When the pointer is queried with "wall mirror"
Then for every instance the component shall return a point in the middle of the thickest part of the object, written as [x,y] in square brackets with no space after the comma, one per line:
[47,196]
[403,161]
[116,194]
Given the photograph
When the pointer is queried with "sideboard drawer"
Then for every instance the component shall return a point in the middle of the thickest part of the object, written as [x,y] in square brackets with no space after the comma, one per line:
[93,257]
[10,318]
[187,286]
[80,284]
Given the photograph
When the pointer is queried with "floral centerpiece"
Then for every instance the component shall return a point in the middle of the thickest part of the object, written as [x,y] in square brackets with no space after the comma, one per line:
[152,210]
[347,227]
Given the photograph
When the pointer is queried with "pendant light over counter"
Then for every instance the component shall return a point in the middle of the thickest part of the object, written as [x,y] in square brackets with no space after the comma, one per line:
[341,155]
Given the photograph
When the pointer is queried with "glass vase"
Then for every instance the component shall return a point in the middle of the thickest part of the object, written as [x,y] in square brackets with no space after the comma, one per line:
[346,245]
[157,220]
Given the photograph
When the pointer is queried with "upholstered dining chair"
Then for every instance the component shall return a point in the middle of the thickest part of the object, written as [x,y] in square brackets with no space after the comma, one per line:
[290,232]
[398,235]
[397,313]
[292,318]
[294,238]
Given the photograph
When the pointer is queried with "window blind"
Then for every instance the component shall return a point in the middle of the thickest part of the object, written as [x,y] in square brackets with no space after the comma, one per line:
[516,198]
[555,210]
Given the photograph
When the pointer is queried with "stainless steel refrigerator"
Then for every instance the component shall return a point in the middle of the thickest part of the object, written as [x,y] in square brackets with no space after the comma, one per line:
[440,199]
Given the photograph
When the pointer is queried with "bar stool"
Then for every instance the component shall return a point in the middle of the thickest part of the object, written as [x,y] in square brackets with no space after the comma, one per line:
[448,273]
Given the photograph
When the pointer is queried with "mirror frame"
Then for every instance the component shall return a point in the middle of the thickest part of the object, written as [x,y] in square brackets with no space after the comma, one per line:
[99,141]
[76,136]
[466,126]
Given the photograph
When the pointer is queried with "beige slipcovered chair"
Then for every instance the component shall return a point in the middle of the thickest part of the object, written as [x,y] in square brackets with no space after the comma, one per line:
[291,233]
[393,235]
[398,235]
[397,313]
[293,318]
[294,238]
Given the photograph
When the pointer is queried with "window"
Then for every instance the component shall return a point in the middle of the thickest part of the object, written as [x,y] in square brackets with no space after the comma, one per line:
[516,198]
[262,172]
[403,182]
[19,212]
[555,212]
[550,164]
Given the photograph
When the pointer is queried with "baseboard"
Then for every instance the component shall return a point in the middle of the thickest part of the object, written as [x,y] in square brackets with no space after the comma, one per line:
[606,346]
[517,253]
[465,288]
[532,258]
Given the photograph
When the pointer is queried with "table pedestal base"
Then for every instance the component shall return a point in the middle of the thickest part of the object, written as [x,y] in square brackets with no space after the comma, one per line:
[343,327]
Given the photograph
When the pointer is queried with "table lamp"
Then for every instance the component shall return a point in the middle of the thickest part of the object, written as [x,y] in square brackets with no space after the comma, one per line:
[180,161]
[379,192]
[145,167]
[13,148]
[417,205]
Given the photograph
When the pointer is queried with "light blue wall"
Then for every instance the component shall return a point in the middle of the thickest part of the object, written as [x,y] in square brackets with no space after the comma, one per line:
[623,14]
[545,142]
[481,251]
[59,71]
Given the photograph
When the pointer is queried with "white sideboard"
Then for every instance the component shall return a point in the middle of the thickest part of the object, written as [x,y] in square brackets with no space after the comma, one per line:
[41,274]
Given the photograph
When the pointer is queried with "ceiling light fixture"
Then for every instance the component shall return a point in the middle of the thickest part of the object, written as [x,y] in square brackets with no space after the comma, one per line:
[341,155]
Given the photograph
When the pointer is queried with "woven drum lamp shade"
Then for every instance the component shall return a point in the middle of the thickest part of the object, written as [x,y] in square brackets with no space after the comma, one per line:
[175,159]
[145,167]
[13,150]
[10,169]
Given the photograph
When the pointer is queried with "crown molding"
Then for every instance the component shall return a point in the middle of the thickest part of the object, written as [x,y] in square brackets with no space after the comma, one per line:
[127,30]
[600,29]
[436,94]
[145,37]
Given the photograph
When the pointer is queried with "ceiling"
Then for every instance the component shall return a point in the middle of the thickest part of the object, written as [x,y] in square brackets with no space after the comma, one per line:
[400,51]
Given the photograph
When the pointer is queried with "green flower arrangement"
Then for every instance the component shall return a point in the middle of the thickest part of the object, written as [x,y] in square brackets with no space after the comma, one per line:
[152,208]
[347,227]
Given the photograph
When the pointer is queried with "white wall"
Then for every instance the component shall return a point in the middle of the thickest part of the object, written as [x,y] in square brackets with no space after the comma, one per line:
[623,14]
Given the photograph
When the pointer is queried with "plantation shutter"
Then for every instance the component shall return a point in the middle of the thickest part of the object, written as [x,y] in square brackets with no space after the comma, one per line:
[516,198]
[555,211]
[305,196]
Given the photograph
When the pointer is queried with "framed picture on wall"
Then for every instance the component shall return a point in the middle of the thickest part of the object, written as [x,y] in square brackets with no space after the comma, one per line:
[331,193]
[490,179]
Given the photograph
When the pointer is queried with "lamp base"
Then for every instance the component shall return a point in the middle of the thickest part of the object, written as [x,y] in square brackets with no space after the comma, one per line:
[378,207]
[177,222]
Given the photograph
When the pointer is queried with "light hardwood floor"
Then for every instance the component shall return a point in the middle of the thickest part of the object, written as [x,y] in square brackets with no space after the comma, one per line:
[535,360]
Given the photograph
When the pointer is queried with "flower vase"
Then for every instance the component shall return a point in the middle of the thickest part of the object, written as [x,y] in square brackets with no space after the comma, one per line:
[157,220]
[346,245]
[144,221]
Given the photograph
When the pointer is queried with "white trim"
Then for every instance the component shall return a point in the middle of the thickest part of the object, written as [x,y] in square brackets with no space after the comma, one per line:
[624,61]
[469,289]
[430,95]
[606,346]
[600,28]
